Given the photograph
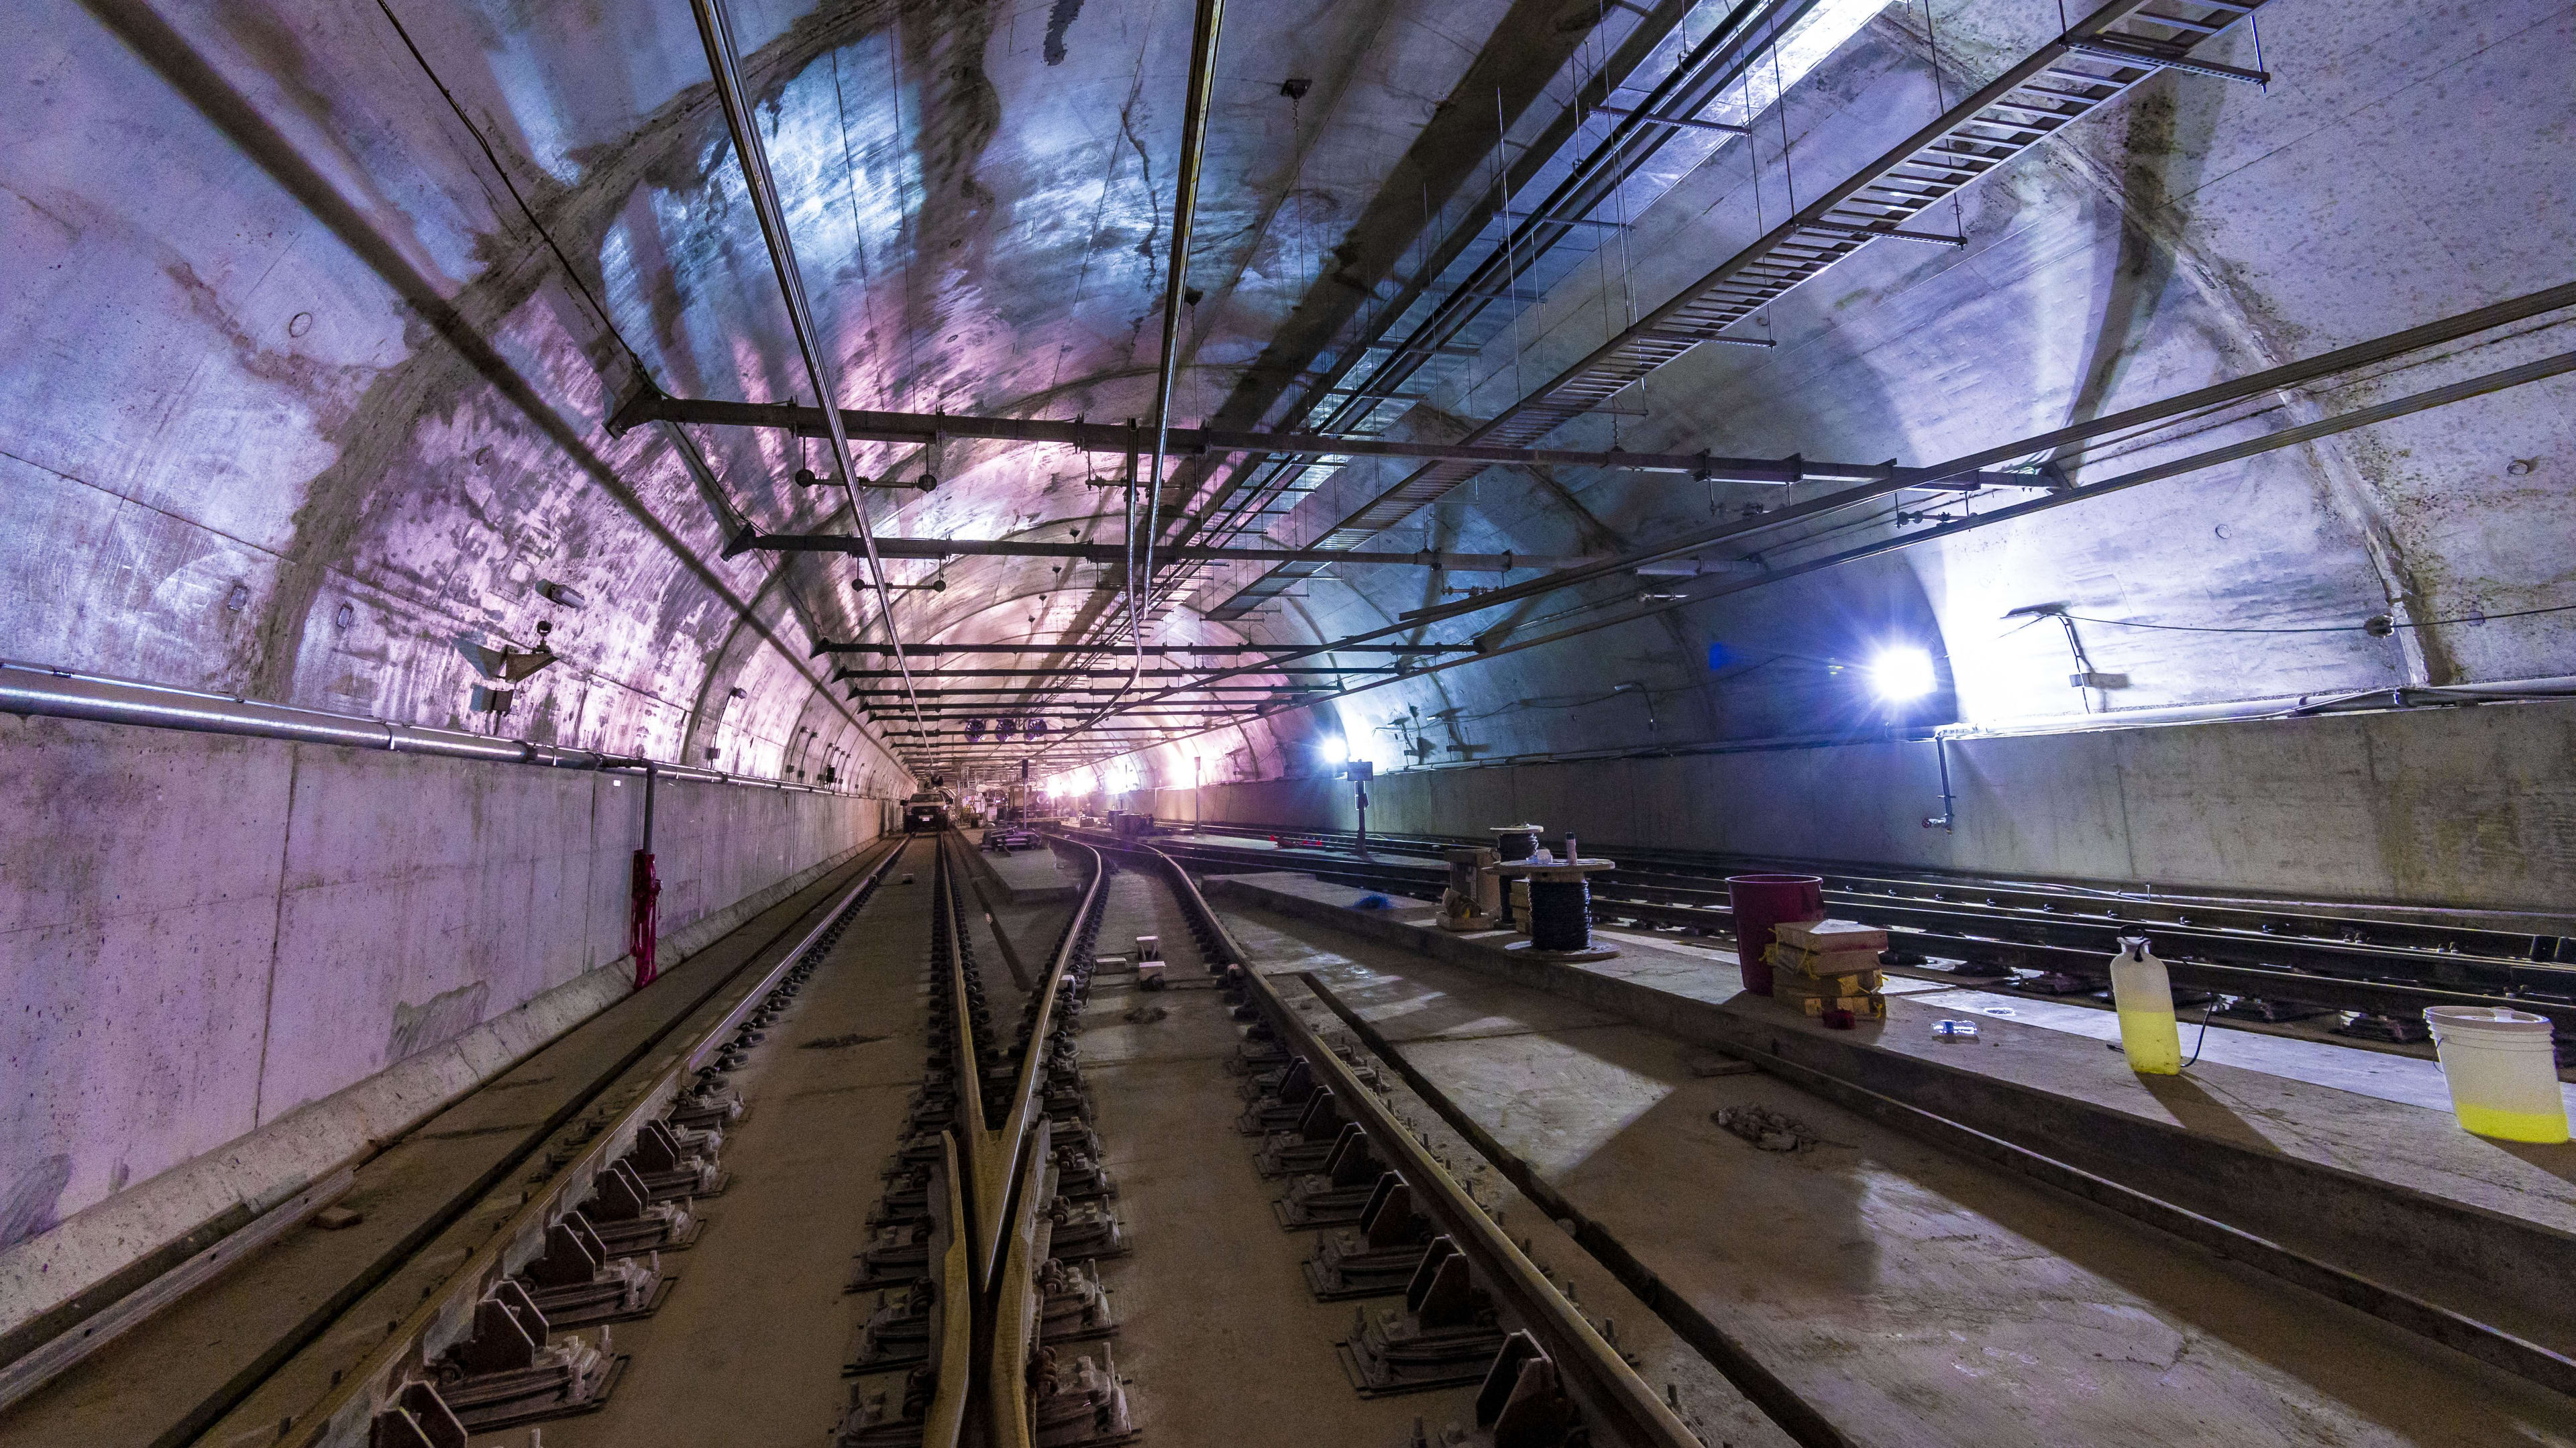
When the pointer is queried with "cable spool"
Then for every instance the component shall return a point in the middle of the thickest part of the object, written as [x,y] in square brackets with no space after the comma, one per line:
[1515,842]
[1553,906]
[1560,914]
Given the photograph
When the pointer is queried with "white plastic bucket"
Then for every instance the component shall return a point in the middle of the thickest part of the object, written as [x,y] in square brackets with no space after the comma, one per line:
[2503,1077]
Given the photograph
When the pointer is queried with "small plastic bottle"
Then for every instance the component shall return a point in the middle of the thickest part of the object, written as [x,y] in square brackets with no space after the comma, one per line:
[2143,992]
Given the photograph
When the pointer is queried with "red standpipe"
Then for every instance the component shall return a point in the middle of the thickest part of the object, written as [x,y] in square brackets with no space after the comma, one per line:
[644,918]
[1761,902]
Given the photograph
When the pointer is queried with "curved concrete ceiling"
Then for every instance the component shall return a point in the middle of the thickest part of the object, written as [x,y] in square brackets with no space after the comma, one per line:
[320,314]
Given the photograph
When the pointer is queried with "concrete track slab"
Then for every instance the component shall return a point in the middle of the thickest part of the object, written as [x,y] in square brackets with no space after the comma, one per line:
[2406,1078]
[1223,1342]
[1915,1297]
[1028,877]
[2398,1192]
[749,1346]
[169,1378]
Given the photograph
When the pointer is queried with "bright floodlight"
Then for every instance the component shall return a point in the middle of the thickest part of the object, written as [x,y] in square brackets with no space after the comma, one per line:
[1336,749]
[1900,674]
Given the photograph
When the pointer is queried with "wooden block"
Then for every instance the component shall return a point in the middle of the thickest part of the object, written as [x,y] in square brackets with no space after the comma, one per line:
[1840,962]
[1823,936]
[1867,1006]
[1806,987]
[1831,963]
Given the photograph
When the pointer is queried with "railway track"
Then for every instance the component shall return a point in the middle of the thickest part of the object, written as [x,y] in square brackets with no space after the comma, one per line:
[2272,964]
[872,1193]
[1143,1185]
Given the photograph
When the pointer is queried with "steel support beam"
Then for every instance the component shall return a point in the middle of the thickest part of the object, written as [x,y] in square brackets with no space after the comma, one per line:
[926,428]
[982,673]
[2434,333]
[937,650]
[1007,693]
[945,548]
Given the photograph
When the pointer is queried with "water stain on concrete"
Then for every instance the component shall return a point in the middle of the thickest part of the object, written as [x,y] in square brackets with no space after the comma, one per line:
[839,1043]
[443,1017]
[28,1208]
[1059,20]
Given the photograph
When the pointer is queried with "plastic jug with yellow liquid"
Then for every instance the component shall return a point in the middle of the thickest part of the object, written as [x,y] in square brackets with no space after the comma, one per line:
[2144,994]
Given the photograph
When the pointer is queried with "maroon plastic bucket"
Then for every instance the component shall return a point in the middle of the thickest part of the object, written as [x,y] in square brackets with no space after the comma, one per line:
[1762,901]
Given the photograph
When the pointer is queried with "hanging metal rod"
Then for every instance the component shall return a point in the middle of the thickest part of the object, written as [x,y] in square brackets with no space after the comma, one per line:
[972,672]
[933,650]
[1141,712]
[1051,691]
[1168,731]
[715,30]
[945,548]
[926,428]
[1204,31]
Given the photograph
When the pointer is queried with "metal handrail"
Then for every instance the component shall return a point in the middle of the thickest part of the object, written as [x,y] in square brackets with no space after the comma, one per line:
[42,690]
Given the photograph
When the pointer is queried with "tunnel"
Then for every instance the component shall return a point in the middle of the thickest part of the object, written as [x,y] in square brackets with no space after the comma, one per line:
[911,722]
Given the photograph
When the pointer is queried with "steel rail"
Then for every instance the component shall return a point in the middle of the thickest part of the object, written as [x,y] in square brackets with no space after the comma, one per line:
[1964,933]
[345,1416]
[2275,931]
[944,1424]
[715,29]
[2485,1341]
[1029,1085]
[999,1168]
[1620,1404]
[983,1183]
[2482,1340]
[1780,1402]
[2284,922]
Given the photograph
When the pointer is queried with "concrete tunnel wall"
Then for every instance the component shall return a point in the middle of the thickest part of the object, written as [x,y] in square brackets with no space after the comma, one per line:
[2471,807]
[227,964]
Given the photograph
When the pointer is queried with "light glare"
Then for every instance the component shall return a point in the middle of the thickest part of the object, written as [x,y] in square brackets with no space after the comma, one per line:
[1901,674]
[1336,749]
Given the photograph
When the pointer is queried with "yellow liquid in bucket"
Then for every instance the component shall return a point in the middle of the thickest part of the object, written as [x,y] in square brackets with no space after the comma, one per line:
[2535,1126]
[2153,1042]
